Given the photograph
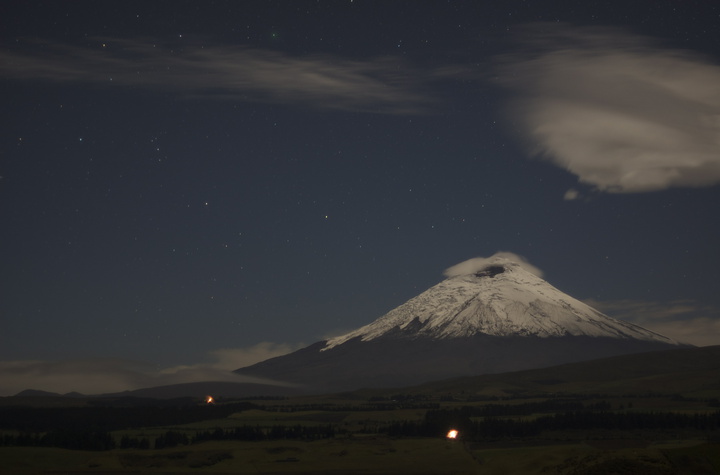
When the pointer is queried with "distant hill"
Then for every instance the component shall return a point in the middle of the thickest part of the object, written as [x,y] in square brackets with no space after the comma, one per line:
[36,393]
[690,372]
[215,389]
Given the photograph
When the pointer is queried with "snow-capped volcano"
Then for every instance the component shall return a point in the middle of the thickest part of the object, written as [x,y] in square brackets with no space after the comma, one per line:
[499,299]
[490,315]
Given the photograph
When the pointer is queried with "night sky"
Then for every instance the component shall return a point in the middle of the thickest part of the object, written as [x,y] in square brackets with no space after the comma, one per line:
[191,186]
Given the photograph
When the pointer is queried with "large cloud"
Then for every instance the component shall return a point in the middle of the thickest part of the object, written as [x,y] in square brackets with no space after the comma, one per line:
[107,375]
[622,113]
[479,263]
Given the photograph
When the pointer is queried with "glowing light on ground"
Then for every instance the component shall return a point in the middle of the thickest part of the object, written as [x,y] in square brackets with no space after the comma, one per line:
[209,400]
[452,434]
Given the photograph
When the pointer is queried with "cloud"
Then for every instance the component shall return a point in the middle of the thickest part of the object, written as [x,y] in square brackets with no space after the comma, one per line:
[107,375]
[686,321]
[223,71]
[229,359]
[479,263]
[619,111]
[571,194]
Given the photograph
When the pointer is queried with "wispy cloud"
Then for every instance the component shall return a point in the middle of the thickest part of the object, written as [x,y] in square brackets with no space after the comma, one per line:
[107,375]
[619,111]
[476,264]
[223,71]
[686,321]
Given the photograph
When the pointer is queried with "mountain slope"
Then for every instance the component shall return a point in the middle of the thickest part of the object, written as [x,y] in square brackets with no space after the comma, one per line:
[500,300]
[691,372]
[497,318]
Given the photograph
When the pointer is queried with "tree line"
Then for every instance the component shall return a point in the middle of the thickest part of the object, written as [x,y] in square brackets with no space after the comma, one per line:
[107,418]
[94,440]
[89,428]
[62,438]
[437,422]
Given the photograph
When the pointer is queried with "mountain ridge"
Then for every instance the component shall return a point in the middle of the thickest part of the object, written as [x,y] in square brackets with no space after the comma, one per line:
[499,317]
[690,371]
[501,299]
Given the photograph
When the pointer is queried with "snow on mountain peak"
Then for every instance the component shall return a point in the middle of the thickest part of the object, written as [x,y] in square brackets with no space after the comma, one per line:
[502,295]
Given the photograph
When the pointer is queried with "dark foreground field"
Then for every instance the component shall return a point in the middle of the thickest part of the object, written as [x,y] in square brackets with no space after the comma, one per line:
[630,434]
[554,421]
[384,456]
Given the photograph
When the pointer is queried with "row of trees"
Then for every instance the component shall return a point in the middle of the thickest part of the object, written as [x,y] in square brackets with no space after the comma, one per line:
[90,428]
[381,404]
[92,440]
[297,431]
[102,419]
[550,406]
[244,433]
[436,423]
[63,438]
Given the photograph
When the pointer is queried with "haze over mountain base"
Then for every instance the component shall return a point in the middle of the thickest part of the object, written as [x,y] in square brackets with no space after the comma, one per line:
[390,362]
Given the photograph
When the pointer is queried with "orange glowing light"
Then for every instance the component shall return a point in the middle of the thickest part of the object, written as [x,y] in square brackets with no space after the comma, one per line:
[209,400]
[452,434]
